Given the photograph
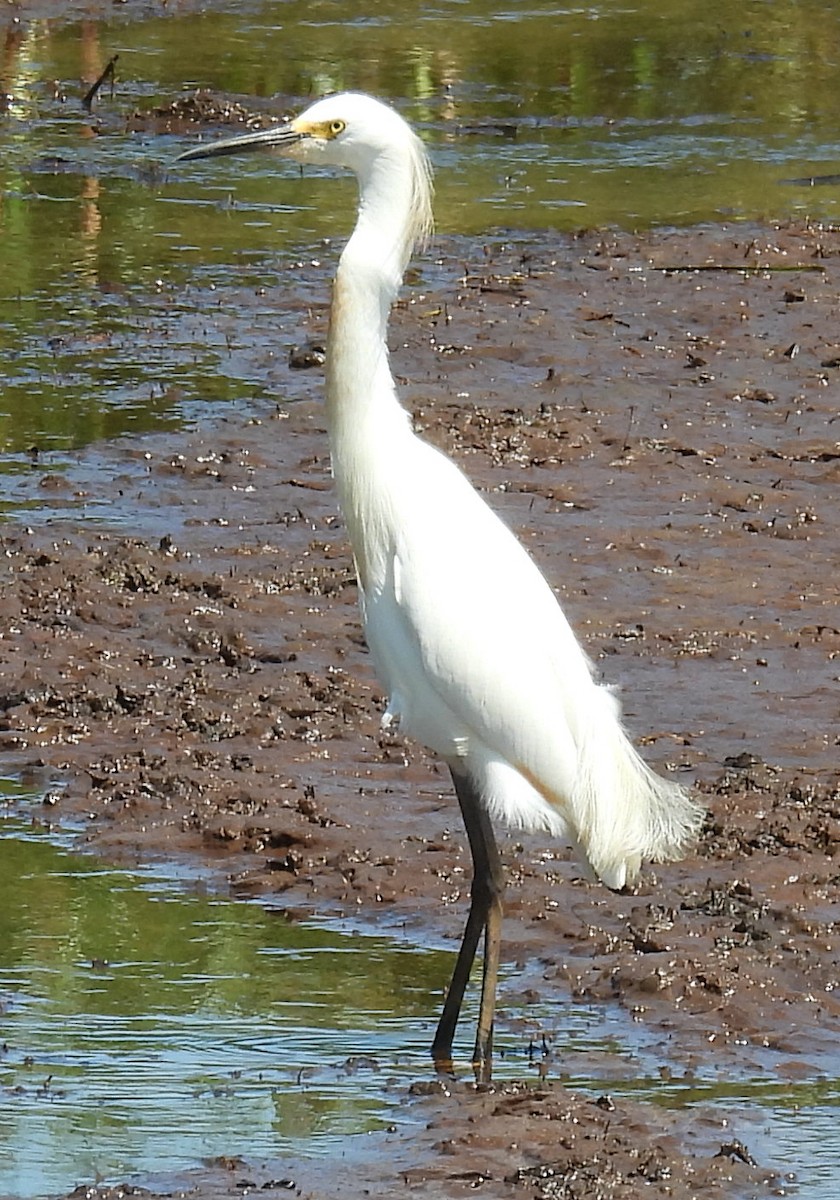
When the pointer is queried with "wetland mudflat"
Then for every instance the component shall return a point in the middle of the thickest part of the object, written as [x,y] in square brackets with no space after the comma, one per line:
[655,412]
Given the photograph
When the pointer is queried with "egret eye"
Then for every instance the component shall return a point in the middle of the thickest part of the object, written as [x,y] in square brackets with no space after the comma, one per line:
[336,127]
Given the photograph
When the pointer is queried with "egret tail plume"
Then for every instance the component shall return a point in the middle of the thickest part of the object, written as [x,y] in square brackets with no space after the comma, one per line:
[623,811]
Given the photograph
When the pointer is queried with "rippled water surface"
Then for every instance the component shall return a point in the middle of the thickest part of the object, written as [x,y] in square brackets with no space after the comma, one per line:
[147,1028]
[535,115]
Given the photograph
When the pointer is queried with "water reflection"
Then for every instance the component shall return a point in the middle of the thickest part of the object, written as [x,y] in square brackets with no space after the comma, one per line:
[128,1005]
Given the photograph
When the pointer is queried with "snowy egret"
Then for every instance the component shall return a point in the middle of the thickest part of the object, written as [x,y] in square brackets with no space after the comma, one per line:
[477,656]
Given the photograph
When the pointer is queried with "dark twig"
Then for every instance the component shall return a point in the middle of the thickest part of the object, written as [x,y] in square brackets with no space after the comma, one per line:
[108,73]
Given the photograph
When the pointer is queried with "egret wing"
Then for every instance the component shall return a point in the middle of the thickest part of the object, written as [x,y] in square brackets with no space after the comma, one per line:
[467,622]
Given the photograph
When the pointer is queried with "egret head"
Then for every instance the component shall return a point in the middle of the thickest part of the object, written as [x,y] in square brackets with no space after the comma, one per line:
[349,130]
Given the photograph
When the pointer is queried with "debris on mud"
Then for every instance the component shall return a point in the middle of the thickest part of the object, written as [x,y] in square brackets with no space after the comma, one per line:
[199,107]
[513,1141]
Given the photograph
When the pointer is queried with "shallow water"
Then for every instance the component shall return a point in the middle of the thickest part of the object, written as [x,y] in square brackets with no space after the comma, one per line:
[535,116]
[148,1028]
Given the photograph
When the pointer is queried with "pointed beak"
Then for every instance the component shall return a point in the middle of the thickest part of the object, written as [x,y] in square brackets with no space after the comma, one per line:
[277,137]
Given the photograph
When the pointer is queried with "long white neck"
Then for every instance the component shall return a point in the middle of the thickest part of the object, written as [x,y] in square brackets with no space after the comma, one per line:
[365,417]
[391,216]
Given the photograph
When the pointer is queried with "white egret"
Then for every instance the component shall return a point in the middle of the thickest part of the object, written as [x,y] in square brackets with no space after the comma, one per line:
[466,635]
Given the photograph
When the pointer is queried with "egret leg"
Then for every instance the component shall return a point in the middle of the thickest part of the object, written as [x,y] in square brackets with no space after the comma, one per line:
[485,914]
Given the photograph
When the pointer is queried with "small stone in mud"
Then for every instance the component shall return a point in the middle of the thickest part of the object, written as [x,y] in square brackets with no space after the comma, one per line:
[310,354]
[743,761]
[428,1087]
[360,1062]
[736,1150]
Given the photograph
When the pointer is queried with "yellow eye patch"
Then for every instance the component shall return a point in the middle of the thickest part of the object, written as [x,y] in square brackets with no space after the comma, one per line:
[326,130]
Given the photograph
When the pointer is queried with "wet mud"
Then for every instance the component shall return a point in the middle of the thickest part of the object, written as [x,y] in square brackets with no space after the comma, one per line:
[181,664]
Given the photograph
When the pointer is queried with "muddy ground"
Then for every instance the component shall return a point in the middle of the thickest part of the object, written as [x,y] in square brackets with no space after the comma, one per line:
[656,416]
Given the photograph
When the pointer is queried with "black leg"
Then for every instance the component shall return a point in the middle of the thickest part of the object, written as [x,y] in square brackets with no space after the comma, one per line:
[485,914]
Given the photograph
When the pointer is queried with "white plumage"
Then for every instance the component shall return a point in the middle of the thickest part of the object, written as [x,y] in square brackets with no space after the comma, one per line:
[478,659]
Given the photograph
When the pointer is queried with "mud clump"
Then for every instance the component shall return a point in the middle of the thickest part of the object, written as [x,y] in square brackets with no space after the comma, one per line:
[196,109]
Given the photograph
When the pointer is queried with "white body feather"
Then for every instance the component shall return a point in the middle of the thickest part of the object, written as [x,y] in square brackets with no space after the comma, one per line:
[477,656]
